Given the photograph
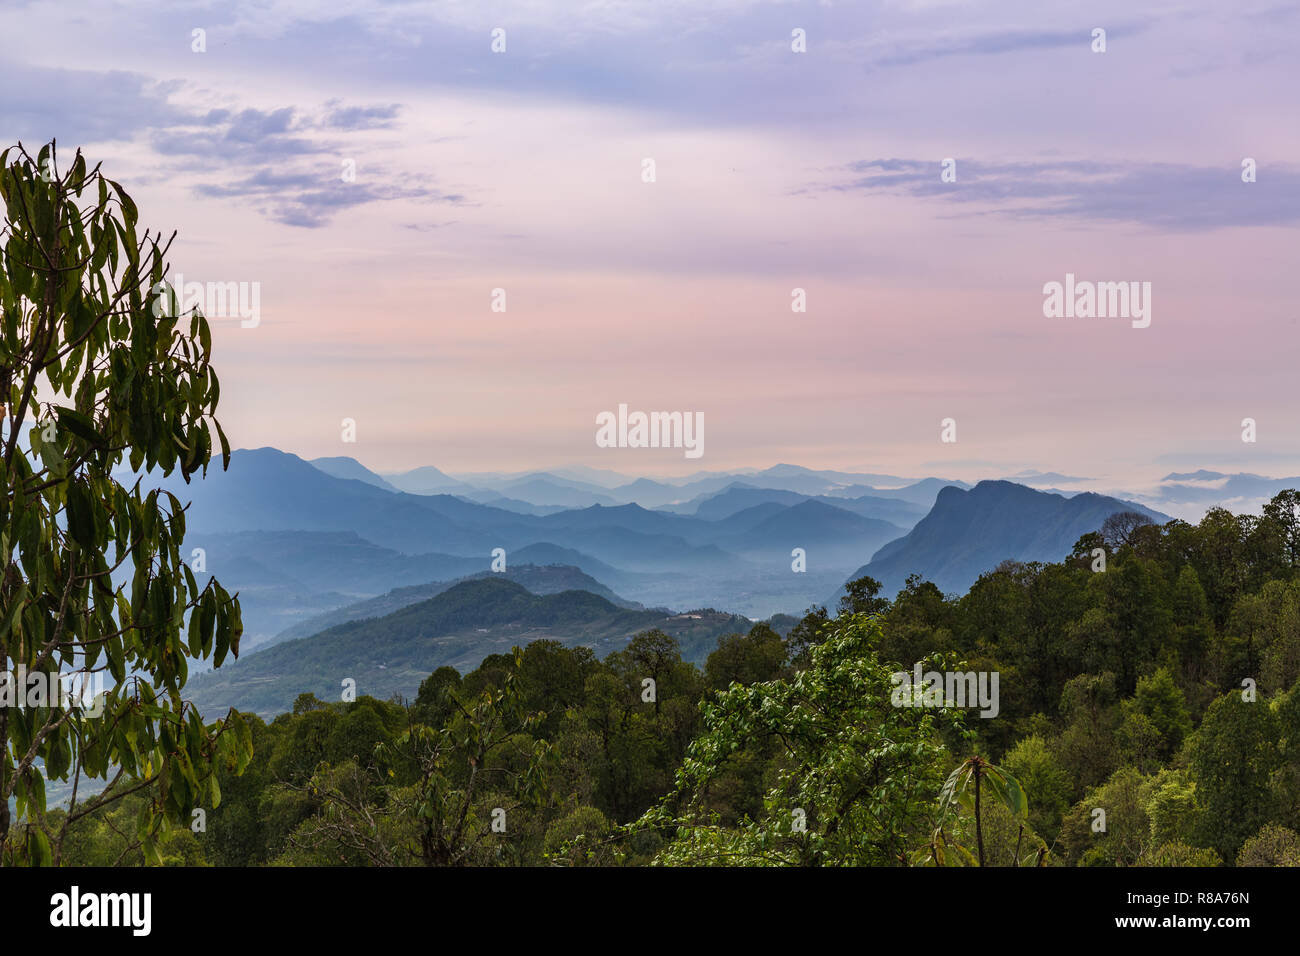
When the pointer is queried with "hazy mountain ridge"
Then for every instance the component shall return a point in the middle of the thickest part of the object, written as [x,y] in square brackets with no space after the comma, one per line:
[317,537]
[653,557]
[739,496]
[284,577]
[343,467]
[970,532]
[546,488]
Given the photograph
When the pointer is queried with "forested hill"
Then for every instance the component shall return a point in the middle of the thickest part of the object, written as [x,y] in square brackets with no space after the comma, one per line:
[459,627]
[540,579]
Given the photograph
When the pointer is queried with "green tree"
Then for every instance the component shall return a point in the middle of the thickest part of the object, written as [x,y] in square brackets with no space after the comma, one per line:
[1264,630]
[1172,809]
[1046,784]
[1110,825]
[965,787]
[96,369]
[1285,782]
[857,779]
[435,700]
[1178,854]
[746,658]
[1219,558]
[1193,633]
[1284,511]
[807,634]
[1271,846]
[580,839]
[862,596]
[1159,703]
[484,754]
[1231,757]
[918,623]
[1091,710]
[1138,617]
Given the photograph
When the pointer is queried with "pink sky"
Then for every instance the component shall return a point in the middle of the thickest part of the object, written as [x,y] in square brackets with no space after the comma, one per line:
[775,170]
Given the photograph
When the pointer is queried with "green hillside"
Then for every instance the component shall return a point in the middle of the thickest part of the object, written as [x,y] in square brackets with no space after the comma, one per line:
[459,627]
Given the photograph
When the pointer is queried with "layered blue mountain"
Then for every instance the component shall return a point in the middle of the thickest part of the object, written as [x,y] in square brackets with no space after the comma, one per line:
[426,481]
[739,496]
[922,493]
[344,467]
[549,490]
[288,576]
[304,515]
[301,539]
[1206,488]
[826,533]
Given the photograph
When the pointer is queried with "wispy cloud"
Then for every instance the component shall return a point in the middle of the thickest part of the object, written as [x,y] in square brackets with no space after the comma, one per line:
[994,43]
[1161,195]
[310,199]
[362,117]
[80,106]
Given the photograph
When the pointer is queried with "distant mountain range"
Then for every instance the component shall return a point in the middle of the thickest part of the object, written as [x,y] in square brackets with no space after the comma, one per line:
[971,531]
[1203,489]
[739,496]
[338,533]
[342,467]
[583,487]
[311,544]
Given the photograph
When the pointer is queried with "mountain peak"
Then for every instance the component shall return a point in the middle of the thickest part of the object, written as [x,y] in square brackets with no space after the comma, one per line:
[344,467]
[968,532]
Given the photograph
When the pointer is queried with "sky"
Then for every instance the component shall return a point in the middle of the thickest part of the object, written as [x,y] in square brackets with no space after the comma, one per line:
[774,170]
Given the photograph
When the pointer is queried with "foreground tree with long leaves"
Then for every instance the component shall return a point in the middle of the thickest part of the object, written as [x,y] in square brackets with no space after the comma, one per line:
[964,790]
[97,368]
